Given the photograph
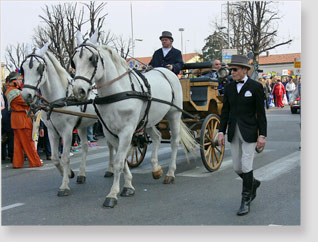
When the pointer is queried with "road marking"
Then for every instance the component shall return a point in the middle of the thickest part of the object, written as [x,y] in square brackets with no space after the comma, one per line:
[201,171]
[277,167]
[12,206]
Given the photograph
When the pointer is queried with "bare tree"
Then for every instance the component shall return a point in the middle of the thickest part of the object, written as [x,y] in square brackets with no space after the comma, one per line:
[106,38]
[258,31]
[14,55]
[61,21]
[253,27]
[96,21]
[122,46]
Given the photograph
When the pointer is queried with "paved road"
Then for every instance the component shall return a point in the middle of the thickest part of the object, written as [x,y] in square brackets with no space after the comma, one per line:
[197,197]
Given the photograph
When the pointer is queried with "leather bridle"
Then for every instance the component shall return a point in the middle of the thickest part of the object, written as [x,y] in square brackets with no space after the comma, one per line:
[40,69]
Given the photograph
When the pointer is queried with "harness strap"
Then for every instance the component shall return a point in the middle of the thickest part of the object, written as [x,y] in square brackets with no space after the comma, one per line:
[101,119]
[133,94]
[110,82]
[30,86]
[168,82]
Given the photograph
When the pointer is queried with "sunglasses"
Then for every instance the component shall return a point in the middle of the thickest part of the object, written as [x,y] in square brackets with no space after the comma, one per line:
[234,69]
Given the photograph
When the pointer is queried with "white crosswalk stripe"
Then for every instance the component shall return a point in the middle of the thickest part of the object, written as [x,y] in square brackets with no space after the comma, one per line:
[278,167]
[201,171]
[99,161]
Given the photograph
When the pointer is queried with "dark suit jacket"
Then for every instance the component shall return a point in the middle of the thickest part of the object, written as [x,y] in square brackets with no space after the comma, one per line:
[173,58]
[247,112]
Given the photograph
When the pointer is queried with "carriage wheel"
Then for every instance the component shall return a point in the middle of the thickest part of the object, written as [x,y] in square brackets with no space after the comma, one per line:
[211,152]
[136,155]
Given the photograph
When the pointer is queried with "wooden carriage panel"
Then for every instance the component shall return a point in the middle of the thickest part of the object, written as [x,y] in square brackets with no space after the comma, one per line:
[185,83]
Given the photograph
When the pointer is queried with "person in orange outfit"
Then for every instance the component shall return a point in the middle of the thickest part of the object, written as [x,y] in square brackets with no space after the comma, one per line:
[21,124]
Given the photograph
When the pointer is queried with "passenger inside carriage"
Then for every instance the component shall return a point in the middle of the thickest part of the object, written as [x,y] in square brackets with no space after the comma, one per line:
[215,74]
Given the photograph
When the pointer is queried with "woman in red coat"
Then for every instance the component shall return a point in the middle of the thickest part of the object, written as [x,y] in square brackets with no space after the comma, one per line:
[21,124]
[279,91]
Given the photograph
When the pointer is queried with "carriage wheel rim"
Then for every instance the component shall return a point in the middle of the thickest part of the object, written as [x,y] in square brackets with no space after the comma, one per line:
[136,155]
[212,152]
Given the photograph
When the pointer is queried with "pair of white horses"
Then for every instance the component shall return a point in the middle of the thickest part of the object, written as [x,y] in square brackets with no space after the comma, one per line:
[102,66]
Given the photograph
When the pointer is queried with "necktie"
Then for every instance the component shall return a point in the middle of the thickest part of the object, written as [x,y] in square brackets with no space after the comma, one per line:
[239,82]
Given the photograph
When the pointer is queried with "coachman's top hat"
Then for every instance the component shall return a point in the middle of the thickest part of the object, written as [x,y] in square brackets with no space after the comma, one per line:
[239,60]
[166,34]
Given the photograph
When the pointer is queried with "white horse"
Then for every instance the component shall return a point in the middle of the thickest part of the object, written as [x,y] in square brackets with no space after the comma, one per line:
[104,67]
[43,71]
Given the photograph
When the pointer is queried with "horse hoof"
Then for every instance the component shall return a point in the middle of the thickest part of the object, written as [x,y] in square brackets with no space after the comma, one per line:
[157,174]
[72,175]
[81,179]
[108,174]
[168,180]
[127,192]
[110,202]
[63,193]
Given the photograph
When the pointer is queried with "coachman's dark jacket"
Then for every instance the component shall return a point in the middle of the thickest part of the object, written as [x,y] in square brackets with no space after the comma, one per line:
[173,58]
[246,109]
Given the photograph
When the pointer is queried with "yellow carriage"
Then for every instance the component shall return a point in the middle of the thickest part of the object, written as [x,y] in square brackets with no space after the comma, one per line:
[202,102]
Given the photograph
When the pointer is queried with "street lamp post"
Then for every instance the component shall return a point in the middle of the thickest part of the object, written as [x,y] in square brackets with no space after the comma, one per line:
[132,31]
[228,21]
[185,46]
[138,39]
[181,30]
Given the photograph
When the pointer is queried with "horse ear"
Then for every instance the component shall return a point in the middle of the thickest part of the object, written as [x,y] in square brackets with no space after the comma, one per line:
[43,50]
[28,49]
[79,38]
[94,37]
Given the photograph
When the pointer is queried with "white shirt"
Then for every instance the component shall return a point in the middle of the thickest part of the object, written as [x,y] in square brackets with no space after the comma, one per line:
[290,87]
[240,85]
[165,51]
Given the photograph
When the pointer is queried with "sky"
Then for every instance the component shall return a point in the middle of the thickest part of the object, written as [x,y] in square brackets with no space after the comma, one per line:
[150,18]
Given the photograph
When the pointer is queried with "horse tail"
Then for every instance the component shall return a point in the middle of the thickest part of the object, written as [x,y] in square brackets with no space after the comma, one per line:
[188,142]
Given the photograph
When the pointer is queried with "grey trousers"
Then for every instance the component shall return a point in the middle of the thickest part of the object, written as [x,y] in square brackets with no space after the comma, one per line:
[242,153]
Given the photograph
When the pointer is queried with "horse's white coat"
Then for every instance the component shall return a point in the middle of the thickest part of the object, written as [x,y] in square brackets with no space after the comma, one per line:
[122,117]
[53,86]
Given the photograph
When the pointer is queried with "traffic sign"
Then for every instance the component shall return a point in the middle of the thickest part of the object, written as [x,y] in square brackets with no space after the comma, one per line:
[227,55]
[297,63]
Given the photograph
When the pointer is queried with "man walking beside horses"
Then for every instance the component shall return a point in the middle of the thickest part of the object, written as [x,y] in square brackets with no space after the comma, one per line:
[243,116]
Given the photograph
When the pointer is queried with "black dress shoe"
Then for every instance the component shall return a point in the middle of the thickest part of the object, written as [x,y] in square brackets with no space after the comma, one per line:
[245,205]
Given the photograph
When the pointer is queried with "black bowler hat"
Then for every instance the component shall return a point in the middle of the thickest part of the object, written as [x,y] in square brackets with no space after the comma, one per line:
[239,60]
[166,34]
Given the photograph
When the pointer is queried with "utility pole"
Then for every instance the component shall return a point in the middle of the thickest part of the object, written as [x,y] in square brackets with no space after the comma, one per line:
[132,30]
[228,23]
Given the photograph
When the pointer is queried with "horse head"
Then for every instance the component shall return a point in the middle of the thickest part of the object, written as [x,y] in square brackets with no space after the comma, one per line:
[86,61]
[33,70]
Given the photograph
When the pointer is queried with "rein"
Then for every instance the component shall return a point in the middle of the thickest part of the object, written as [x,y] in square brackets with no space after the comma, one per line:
[112,81]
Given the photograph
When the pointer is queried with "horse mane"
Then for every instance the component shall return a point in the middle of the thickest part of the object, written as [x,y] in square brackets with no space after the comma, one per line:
[64,76]
[116,58]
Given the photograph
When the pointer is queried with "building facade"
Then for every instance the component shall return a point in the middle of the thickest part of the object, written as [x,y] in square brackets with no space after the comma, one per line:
[282,64]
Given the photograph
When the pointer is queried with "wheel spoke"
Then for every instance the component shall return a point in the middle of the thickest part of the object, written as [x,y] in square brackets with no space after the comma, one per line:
[213,153]
[208,132]
[209,143]
[132,155]
[215,126]
[210,156]
[217,158]
[136,152]
[207,151]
